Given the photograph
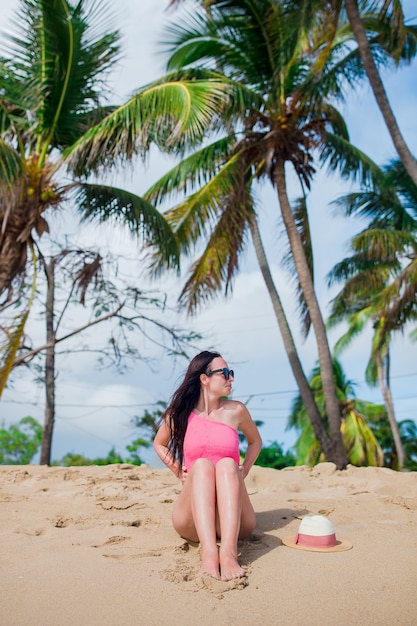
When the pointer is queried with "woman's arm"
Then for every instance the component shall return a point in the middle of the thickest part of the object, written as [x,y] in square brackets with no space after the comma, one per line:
[160,445]
[253,437]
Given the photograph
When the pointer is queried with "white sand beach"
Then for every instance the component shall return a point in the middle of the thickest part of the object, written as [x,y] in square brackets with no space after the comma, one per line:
[90,546]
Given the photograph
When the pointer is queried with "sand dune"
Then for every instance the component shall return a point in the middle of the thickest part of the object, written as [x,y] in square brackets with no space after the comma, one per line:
[95,546]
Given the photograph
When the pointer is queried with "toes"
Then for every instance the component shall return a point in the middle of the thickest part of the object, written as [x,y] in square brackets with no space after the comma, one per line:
[233,575]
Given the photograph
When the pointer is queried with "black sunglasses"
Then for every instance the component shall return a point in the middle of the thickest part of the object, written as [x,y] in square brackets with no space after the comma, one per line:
[224,370]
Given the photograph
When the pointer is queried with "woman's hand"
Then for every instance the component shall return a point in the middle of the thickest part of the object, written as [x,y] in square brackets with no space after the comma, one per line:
[183,474]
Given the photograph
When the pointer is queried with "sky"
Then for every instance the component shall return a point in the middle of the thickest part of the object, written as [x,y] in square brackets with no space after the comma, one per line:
[95,407]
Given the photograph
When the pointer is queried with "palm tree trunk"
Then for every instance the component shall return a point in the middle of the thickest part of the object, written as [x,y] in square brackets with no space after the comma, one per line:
[290,348]
[384,384]
[325,359]
[49,367]
[374,78]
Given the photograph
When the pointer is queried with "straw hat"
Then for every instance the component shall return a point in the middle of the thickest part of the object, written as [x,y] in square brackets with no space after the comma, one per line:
[316,533]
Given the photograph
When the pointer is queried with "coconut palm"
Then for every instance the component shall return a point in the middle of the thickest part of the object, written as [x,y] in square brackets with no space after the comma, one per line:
[50,90]
[382,36]
[371,26]
[51,85]
[408,433]
[299,122]
[289,344]
[365,19]
[284,118]
[359,441]
[380,277]
[399,32]
[233,36]
[57,128]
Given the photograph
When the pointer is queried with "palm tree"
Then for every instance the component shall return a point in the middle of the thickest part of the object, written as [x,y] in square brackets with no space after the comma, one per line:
[56,129]
[323,38]
[370,31]
[361,445]
[365,48]
[278,115]
[380,277]
[382,36]
[408,432]
[290,347]
[301,121]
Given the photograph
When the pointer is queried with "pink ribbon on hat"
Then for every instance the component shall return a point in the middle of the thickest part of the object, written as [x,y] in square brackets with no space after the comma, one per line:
[312,541]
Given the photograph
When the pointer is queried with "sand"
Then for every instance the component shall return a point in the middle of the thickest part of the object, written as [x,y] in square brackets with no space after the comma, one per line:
[95,546]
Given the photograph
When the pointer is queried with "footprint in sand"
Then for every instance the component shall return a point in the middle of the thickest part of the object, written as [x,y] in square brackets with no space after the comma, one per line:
[177,576]
[112,541]
[62,521]
[135,523]
[37,532]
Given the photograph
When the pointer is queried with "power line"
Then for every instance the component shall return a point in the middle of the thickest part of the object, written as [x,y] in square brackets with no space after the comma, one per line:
[84,405]
[246,395]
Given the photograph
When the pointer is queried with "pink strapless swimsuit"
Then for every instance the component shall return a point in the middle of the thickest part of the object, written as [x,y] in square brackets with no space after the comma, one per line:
[209,439]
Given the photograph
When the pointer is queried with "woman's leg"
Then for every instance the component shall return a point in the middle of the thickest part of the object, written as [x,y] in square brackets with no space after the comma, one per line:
[194,514]
[248,517]
[235,514]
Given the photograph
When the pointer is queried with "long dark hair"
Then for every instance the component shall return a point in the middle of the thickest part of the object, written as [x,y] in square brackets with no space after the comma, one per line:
[184,400]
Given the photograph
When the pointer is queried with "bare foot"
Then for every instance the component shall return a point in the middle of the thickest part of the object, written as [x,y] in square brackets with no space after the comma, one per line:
[230,567]
[210,563]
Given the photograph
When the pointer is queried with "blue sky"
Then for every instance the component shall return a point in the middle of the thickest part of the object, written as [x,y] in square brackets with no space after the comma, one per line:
[94,408]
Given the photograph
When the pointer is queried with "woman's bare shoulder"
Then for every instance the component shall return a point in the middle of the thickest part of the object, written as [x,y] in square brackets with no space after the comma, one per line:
[233,405]
[236,410]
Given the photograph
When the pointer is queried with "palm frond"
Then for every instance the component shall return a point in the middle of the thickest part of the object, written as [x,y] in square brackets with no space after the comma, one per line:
[15,333]
[391,203]
[356,323]
[398,301]
[13,99]
[307,448]
[197,213]
[219,262]
[394,34]
[339,65]
[247,42]
[172,114]
[383,207]
[194,38]
[341,69]
[363,279]
[384,246]
[105,203]
[397,179]
[195,170]
[359,441]
[11,166]
[60,52]
[335,119]
[351,163]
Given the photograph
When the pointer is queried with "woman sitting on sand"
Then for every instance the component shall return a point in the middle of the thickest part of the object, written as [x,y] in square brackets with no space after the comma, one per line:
[198,441]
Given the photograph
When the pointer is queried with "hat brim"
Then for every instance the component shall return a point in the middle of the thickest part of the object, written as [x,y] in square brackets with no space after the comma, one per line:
[340,546]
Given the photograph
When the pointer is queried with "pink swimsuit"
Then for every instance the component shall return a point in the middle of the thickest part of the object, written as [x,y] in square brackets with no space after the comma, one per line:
[209,439]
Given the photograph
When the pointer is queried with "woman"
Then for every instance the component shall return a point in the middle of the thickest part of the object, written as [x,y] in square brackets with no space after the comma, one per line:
[199,442]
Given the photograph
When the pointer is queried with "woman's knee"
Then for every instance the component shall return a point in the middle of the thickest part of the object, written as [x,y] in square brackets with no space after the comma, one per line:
[226,469]
[227,465]
[203,467]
